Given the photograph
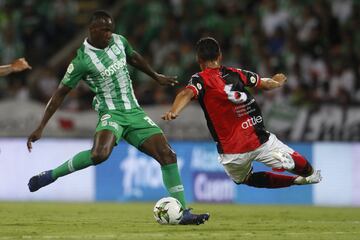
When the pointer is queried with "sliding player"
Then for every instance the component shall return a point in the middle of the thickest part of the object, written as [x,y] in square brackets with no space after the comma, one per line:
[236,124]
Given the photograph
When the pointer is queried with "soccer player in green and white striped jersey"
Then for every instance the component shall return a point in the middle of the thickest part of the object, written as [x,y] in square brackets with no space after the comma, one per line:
[101,63]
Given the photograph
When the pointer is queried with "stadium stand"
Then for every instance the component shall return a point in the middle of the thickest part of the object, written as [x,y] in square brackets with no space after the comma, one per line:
[316,43]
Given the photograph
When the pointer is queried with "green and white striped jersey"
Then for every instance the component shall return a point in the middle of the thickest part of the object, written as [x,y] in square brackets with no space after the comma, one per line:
[106,73]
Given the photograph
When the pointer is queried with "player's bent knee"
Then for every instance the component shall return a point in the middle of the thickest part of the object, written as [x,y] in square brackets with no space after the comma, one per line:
[302,165]
[99,156]
[167,156]
[237,173]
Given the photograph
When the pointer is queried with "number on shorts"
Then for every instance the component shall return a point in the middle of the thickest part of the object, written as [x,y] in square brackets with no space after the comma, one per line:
[151,122]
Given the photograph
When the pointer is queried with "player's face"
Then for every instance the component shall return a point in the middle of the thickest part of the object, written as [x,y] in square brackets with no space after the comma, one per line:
[100,33]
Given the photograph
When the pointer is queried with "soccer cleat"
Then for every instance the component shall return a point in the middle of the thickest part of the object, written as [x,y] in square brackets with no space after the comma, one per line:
[285,159]
[193,219]
[41,180]
[313,178]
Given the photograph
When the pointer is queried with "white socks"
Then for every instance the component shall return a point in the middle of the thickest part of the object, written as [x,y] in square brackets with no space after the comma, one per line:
[313,178]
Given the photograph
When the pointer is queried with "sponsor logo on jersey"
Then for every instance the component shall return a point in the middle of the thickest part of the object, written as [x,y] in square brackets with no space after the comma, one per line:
[115,49]
[251,122]
[191,82]
[252,79]
[113,68]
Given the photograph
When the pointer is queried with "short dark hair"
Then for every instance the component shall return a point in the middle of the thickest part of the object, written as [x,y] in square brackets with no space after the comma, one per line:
[98,15]
[207,49]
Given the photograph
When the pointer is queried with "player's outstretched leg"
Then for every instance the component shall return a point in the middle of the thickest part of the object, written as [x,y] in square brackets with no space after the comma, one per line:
[157,147]
[173,184]
[272,180]
[78,162]
[269,180]
[103,144]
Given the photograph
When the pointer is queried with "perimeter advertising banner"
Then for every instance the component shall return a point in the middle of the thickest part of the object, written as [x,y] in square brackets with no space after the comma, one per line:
[17,166]
[130,175]
[340,165]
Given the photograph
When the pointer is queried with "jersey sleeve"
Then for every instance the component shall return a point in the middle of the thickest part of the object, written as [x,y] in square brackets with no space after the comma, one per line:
[74,73]
[128,49]
[196,84]
[249,78]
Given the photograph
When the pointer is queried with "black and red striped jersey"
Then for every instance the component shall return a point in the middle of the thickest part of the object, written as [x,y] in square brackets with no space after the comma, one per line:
[232,114]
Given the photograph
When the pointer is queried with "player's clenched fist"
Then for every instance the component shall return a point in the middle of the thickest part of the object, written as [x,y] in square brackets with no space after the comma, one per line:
[169,116]
[280,78]
[19,65]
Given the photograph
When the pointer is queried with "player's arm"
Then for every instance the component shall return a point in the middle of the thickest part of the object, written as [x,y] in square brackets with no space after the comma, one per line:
[16,66]
[51,107]
[137,61]
[276,81]
[251,79]
[74,73]
[181,101]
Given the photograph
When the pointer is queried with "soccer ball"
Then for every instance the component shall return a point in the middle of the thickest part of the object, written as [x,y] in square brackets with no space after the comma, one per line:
[168,211]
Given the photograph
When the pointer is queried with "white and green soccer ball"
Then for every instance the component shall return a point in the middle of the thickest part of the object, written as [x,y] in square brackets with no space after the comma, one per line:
[168,210]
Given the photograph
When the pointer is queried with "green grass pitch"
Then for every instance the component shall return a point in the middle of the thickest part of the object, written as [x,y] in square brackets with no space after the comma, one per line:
[135,221]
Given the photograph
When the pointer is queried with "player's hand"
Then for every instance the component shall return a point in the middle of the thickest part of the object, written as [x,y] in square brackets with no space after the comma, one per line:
[166,80]
[36,135]
[168,116]
[20,65]
[280,78]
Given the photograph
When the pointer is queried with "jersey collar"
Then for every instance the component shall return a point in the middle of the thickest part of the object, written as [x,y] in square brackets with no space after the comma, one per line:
[88,45]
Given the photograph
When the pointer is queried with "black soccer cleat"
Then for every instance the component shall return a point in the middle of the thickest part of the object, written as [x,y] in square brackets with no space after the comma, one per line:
[193,219]
[41,180]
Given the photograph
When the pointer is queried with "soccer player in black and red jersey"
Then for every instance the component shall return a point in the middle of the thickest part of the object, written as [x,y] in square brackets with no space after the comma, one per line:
[236,124]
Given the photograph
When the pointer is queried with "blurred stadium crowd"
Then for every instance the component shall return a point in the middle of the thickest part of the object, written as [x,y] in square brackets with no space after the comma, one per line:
[316,43]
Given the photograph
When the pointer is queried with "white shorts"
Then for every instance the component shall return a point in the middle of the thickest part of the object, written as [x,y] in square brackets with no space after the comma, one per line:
[238,166]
